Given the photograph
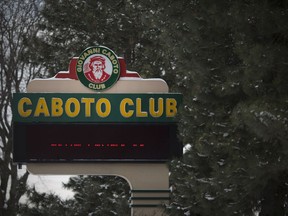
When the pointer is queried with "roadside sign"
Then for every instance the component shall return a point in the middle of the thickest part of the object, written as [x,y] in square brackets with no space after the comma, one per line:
[98,118]
[96,112]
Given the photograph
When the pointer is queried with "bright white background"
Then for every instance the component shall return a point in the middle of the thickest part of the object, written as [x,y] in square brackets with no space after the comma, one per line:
[49,183]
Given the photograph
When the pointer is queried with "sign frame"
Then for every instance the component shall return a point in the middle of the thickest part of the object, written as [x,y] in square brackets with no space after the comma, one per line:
[149,182]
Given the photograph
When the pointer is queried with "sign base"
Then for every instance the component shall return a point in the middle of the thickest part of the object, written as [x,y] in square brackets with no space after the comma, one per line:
[149,182]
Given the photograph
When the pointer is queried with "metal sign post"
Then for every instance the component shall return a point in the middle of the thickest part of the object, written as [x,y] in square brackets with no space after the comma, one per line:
[89,100]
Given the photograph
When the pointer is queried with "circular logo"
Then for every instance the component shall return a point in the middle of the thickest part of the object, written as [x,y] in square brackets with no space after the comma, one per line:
[98,68]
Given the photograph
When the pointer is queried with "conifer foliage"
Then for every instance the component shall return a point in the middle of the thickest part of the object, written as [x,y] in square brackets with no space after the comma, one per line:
[229,59]
[18,24]
[70,26]
[232,69]
[93,196]
[99,195]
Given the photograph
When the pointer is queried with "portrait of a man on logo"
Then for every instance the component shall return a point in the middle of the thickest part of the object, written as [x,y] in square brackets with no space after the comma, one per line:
[98,68]
[95,69]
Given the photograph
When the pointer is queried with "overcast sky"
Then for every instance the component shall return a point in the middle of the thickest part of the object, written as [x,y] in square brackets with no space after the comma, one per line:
[49,183]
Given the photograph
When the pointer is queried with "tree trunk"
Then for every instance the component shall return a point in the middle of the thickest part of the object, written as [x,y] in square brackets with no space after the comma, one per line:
[18,21]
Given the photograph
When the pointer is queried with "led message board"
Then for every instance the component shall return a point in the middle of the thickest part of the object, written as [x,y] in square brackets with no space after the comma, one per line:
[77,142]
[63,127]
[97,111]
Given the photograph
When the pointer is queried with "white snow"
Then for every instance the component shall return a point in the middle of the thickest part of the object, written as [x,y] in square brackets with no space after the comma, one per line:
[186,148]
[209,197]
[225,134]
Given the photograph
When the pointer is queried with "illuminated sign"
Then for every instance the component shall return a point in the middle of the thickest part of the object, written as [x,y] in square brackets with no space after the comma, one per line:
[83,127]
[61,107]
[74,142]
[96,111]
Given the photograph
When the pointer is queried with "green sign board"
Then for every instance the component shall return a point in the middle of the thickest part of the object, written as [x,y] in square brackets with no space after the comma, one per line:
[83,107]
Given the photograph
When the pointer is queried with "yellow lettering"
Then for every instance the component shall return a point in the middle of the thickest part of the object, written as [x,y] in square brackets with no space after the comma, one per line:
[171,107]
[139,112]
[152,108]
[68,109]
[56,107]
[114,62]
[123,105]
[90,51]
[107,109]
[109,54]
[41,108]
[85,54]
[21,111]
[79,68]
[87,102]
[96,86]
[112,57]
[82,57]
[96,50]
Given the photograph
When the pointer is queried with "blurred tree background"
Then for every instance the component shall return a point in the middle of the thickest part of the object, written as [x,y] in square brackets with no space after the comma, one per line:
[230,61]
[18,25]
[94,195]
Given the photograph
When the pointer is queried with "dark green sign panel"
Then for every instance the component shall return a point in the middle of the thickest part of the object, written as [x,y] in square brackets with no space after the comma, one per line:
[67,107]
[61,127]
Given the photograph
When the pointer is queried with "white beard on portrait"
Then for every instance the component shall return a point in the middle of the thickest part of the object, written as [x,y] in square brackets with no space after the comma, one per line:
[98,73]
